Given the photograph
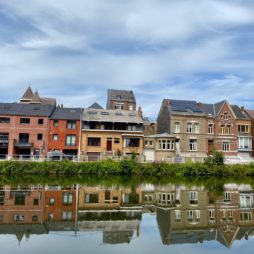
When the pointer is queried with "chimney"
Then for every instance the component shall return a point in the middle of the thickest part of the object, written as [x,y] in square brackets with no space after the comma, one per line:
[61,105]
[140,113]
[242,108]
[167,102]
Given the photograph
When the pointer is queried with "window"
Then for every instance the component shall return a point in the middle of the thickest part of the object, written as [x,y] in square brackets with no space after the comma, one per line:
[225,116]
[66,215]
[212,214]
[18,217]
[245,216]
[51,201]
[23,138]
[193,145]
[210,128]
[190,215]
[189,127]
[25,120]
[36,201]
[39,136]
[177,127]
[197,215]
[55,122]
[131,107]
[228,129]
[132,142]
[246,201]
[70,140]
[243,128]
[67,198]
[166,144]
[40,121]
[71,124]
[94,141]
[196,127]
[225,146]
[117,140]
[1,217]
[55,137]
[51,216]
[148,143]
[244,142]
[227,197]
[193,196]
[2,195]
[4,119]
[19,198]
[177,215]
[91,198]
[119,106]
[222,129]
[35,218]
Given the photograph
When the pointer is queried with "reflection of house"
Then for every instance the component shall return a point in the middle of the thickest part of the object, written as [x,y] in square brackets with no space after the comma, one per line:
[60,203]
[21,205]
[117,226]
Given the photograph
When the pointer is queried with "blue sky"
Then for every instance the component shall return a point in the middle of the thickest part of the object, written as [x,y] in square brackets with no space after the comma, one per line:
[76,50]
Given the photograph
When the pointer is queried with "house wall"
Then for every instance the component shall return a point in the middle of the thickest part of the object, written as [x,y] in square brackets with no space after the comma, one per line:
[62,131]
[15,127]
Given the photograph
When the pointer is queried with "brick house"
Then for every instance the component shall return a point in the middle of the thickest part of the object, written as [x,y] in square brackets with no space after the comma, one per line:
[121,100]
[24,129]
[250,113]
[64,130]
[228,129]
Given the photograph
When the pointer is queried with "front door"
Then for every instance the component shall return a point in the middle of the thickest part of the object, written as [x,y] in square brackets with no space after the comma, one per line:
[210,146]
[109,144]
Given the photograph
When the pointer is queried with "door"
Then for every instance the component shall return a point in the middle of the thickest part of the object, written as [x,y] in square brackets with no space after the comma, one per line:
[109,144]
[210,146]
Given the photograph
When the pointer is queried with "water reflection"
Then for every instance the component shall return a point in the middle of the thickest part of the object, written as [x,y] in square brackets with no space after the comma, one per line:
[184,214]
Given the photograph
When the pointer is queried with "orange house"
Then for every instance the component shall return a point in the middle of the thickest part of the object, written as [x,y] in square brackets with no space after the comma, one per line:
[64,130]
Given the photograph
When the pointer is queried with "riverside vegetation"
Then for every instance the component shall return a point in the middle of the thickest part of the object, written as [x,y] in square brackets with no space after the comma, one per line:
[213,166]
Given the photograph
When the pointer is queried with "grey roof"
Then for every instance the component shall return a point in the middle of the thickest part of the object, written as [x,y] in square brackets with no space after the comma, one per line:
[19,109]
[183,106]
[109,115]
[239,113]
[208,109]
[66,114]
[46,101]
[28,94]
[96,106]
[120,95]
[218,105]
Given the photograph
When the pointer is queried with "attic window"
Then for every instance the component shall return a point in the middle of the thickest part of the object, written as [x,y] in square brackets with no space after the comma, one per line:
[92,112]
[36,108]
[105,113]
[72,110]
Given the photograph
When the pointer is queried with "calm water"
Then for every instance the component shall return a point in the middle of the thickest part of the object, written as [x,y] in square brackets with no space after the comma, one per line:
[143,218]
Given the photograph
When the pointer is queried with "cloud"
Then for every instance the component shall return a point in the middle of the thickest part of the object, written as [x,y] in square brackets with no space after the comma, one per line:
[75,50]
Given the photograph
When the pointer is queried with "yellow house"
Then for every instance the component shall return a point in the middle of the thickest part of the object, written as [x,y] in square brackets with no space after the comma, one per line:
[108,132]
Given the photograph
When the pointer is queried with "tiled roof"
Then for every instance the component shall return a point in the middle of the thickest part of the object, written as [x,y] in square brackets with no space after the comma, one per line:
[66,114]
[238,112]
[208,109]
[218,105]
[108,115]
[121,95]
[96,105]
[28,94]
[250,113]
[20,109]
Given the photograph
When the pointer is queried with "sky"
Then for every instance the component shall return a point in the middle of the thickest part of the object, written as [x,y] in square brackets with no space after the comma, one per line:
[180,49]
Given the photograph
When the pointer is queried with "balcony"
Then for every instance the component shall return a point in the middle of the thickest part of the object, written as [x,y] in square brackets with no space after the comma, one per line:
[22,143]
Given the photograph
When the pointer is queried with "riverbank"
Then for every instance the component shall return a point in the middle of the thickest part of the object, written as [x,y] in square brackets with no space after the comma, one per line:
[131,168]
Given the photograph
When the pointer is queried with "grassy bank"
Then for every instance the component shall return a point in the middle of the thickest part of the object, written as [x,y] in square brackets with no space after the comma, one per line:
[130,168]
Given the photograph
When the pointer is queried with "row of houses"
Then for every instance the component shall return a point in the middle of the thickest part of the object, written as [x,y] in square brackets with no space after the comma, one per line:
[184,130]
[117,211]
